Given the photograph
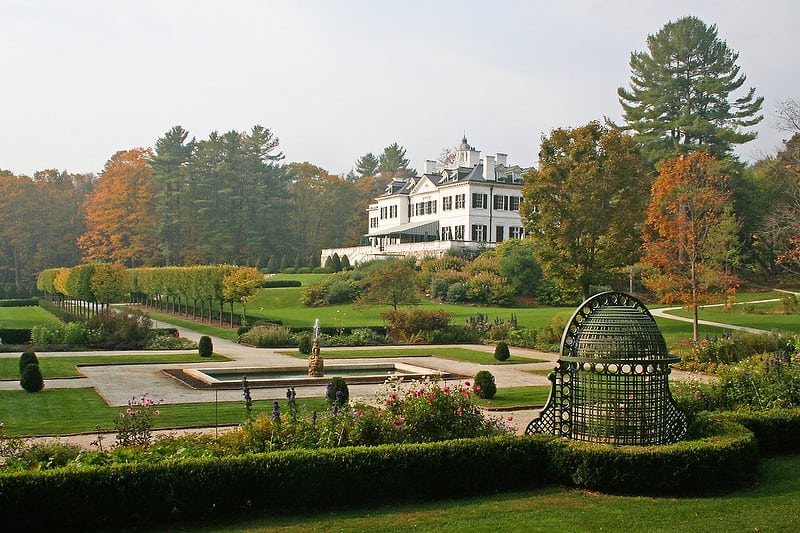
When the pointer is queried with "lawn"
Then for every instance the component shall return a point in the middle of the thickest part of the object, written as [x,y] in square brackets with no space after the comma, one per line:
[24,317]
[517,397]
[770,505]
[65,411]
[65,367]
[457,354]
[766,319]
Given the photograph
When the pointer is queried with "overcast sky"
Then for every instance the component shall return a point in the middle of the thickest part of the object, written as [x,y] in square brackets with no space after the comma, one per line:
[336,79]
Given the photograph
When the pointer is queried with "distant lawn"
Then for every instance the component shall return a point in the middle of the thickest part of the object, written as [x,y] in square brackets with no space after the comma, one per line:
[200,327]
[64,411]
[25,317]
[765,320]
[65,367]
[458,354]
[517,397]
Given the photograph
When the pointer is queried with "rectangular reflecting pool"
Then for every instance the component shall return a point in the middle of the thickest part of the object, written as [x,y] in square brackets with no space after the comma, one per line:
[261,377]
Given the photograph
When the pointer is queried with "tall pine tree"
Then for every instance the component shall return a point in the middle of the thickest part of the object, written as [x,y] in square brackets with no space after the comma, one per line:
[680,96]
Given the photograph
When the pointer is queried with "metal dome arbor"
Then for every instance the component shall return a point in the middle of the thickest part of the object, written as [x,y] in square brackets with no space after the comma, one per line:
[611,384]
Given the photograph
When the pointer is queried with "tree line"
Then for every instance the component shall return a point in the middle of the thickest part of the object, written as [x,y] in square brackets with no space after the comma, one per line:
[227,199]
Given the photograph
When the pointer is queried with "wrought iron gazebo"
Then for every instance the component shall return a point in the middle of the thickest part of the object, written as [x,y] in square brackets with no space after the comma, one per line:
[611,384]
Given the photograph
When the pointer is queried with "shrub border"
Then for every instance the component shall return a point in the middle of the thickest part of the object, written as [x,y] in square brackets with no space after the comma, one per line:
[190,490]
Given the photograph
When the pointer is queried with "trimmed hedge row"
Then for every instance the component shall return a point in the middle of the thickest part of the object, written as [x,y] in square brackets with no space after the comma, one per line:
[28,302]
[280,283]
[15,336]
[777,430]
[60,313]
[148,493]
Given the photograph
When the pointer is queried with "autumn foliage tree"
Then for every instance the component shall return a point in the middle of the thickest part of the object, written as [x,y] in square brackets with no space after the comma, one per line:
[682,233]
[584,205]
[120,214]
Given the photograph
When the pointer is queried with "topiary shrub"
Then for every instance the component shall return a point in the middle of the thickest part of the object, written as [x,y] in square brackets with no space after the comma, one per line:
[485,386]
[501,352]
[304,344]
[204,346]
[26,359]
[337,392]
[31,379]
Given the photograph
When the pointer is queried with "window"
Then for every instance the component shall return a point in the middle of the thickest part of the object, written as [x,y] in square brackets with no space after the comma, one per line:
[515,201]
[373,222]
[384,213]
[447,233]
[447,203]
[392,211]
[478,200]
[516,232]
[499,201]
[461,201]
[498,234]
[459,233]
[479,232]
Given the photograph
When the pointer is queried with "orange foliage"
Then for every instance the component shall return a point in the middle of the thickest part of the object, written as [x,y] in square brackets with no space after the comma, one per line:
[120,213]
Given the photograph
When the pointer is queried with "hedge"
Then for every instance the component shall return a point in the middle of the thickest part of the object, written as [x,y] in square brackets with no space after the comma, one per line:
[150,493]
[60,313]
[777,430]
[15,336]
[28,302]
[280,283]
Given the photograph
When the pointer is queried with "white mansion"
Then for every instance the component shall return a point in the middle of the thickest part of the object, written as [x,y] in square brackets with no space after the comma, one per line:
[470,204]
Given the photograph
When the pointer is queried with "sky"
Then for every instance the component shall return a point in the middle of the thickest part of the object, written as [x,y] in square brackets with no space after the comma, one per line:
[335,79]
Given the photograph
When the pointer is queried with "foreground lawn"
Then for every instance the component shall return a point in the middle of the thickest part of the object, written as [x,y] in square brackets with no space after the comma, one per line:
[24,317]
[457,354]
[770,505]
[64,411]
[65,367]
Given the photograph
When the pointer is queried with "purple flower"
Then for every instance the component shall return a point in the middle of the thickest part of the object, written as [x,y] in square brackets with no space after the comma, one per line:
[276,411]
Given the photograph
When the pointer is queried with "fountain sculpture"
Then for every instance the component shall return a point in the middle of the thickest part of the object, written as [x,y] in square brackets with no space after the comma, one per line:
[315,362]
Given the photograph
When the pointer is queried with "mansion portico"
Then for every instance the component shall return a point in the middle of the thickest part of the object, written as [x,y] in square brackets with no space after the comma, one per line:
[470,204]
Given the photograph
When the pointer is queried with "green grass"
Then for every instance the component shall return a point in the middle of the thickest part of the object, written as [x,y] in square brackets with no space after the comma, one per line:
[199,327]
[765,320]
[770,505]
[65,367]
[65,411]
[457,354]
[517,397]
[24,317]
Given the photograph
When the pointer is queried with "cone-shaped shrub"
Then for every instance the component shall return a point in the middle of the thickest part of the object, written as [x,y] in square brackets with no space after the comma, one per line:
[26,359]
[204,346]
[485,386]
[501,352]
[31,379]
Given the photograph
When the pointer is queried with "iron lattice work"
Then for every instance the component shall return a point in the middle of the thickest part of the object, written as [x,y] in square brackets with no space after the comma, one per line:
[612,380]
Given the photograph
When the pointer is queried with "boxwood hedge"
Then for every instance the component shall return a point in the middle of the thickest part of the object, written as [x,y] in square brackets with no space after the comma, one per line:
[725,455]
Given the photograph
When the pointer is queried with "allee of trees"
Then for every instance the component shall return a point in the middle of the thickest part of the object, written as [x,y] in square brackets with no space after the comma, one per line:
[198,291]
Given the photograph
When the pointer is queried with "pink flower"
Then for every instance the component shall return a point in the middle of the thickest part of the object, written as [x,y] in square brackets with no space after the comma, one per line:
[156,412]
[129,411]
[510,418]
[477,387]
[446,390]
[122,415]
[466,383]
[459,411]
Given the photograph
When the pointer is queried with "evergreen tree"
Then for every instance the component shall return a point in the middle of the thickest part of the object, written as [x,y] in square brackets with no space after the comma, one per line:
[367,165]
[393,161]
[680,94]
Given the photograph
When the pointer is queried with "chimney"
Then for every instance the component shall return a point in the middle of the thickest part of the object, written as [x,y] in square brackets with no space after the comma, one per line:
[502,159]
[430,166]
[488,168]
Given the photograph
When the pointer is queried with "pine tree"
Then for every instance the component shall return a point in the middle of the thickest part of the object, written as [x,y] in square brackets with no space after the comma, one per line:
[393,161]
[367,165]
[680,94]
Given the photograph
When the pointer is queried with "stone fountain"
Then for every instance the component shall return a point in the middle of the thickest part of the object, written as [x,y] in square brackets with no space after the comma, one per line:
[315,362]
